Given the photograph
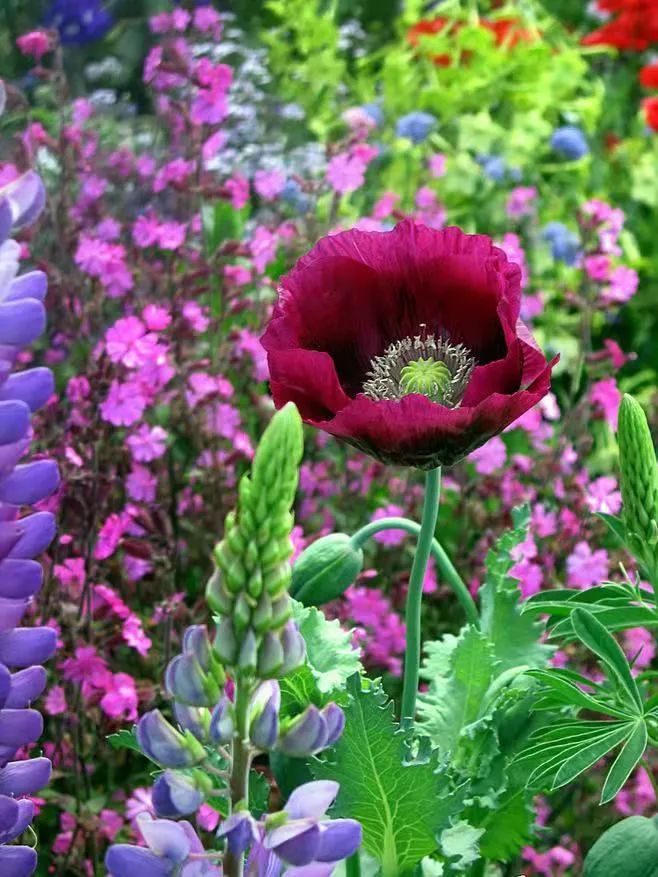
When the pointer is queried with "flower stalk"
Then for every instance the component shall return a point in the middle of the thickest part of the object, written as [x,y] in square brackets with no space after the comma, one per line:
[415,594]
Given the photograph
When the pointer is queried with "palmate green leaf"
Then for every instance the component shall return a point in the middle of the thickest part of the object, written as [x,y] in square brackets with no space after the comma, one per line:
[402,807]
[629,757]
[455,697]
[566,693]
[329,651]
[588,754]
[623,617]
[515,637]
[593,634]
[560,602]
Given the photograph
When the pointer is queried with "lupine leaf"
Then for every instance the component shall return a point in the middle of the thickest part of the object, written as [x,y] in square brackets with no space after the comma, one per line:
[588,755]
[593,634]
[454,699]
[401,806]
[566,693]
[515,637]
[629,757]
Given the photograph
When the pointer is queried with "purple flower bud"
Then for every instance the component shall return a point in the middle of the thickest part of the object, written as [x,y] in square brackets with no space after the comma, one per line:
[248,653]
[175,795]
[26,198]
[162,743]
[306,735]
[14,421]
[21,322]
[294,648]
[239,830]
[24,777]
[186,681]
[270,656]
[33,284]
[22,647]
[296,843]
[17,729]
[15,816]
[26,686]
[16,861]
[33,386]
[196,642]
[335,719]
[192,719]
[26,537]
[339,838]
[30,483]
[222,726]
[19,578]
[264,715]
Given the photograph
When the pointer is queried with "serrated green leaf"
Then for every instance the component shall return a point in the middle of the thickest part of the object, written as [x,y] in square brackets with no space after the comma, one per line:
[402,807]
[454,699]
[629,757]
[515,637]
[124,739]
[329,651]
[460,844]
[507,827]
[593,634]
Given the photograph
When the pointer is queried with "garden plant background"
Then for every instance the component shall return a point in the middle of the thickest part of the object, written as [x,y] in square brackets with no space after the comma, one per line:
[190,155]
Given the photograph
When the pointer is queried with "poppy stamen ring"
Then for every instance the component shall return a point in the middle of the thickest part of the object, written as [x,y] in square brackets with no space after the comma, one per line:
[423,364]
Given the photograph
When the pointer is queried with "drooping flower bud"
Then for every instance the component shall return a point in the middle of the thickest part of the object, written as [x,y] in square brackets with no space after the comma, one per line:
[264,715]
[306,735]
[176,794]
[222,722]
[239,830]
[294,648]
[639,483]
[162,743]
[325,569]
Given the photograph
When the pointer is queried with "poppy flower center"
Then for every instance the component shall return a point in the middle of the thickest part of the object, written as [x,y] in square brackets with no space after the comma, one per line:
[423,364]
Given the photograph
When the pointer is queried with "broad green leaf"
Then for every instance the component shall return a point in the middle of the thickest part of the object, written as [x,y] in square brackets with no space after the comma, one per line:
[124,739]
[593,634]
[589,755]
[329,650]
[401,806]
[515,637]
[454,700]
[616,526]
[460,844]
[629,757]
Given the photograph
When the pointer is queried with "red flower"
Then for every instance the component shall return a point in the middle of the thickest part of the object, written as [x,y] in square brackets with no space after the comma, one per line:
[429,27]
[405,343]
[650,107]
[649,76]
[634,28]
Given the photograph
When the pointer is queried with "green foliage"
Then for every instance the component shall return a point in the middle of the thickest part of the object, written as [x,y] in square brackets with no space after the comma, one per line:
[630,847]
[330,654]
[402,805]
[563,750]
[124,739]
[515,637]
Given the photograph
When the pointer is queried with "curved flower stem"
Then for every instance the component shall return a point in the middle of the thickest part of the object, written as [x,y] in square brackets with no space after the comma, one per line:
[443,562]
[415,594]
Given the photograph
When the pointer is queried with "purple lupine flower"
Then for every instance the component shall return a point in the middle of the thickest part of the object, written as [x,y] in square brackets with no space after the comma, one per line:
[79,21]
[22,319]
[172,848]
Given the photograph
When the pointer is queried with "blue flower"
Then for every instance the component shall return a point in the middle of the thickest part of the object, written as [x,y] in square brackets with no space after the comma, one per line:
[375,112]
[79,21]
[564,243]
[570,142]
[415,126]
[493,166]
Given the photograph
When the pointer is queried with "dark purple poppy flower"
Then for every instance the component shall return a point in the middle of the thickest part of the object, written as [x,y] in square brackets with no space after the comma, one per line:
[406,344]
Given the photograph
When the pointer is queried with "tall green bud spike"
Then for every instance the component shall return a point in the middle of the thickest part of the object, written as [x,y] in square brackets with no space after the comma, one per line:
[639,484]
[249,590]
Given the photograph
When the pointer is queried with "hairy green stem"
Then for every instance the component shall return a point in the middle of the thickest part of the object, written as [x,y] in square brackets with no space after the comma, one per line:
[240,765]
[443,562]
[415,594]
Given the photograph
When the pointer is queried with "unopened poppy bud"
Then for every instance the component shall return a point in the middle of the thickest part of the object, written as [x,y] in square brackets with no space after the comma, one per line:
[222,724]
[325,569]
[335,719]
[162,743]
[270,656]
[294,648]
[176,794]
[306,735]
